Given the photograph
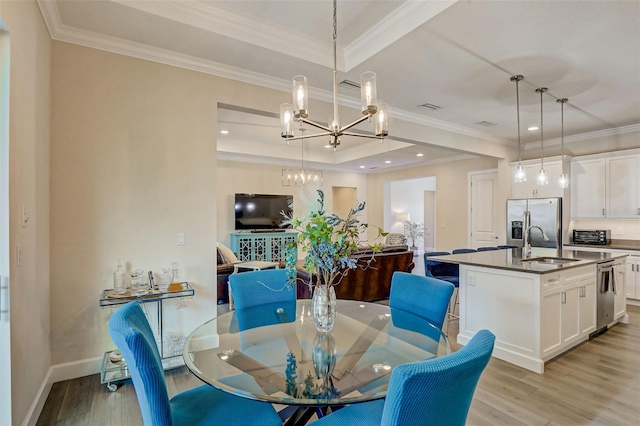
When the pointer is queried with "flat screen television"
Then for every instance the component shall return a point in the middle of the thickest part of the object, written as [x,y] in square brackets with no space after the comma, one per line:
[262,211]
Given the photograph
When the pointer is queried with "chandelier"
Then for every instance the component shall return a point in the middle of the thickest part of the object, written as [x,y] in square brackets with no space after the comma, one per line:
[300,108]
[301,176]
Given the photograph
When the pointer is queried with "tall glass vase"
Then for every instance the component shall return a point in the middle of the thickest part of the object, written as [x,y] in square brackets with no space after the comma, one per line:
[323,306]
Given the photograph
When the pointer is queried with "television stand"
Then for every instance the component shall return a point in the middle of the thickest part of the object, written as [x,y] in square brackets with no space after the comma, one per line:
[263,231]
[264,245]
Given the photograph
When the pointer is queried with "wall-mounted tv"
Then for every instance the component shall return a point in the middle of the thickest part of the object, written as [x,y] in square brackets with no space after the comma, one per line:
[262,211]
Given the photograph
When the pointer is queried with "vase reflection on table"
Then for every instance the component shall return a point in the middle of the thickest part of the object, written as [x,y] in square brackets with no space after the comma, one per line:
[318,382]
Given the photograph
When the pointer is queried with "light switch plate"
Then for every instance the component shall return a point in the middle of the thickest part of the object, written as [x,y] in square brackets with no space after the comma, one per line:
[619,231]
[181,238]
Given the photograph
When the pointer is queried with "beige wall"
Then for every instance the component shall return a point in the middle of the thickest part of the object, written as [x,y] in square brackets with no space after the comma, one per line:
[29,186]
[240,177]
[452,204]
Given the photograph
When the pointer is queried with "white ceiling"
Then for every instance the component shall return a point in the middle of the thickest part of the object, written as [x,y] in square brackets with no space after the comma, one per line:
[455,54]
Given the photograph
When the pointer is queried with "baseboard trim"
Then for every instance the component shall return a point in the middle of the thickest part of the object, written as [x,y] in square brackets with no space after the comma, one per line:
[58,373]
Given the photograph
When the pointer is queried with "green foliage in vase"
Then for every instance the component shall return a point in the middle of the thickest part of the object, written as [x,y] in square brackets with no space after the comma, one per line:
[328,242]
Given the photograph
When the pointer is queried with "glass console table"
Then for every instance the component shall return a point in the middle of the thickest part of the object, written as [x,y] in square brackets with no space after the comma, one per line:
[114,369]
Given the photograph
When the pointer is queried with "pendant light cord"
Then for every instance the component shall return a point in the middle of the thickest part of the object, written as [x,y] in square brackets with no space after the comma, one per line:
[541,90]
[335,61]
[562,102]
[517,79]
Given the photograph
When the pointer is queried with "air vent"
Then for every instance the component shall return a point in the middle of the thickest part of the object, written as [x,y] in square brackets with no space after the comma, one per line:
[485,123]
[349,84]
[432,107]
[373,168]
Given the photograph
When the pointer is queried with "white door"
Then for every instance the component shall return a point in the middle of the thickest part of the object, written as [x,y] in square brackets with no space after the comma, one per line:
[5,338]
[483,209]
[429,220]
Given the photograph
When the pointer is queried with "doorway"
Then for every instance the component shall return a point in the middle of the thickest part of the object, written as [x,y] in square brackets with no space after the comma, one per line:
[5,336]
[344,199]
[483,224]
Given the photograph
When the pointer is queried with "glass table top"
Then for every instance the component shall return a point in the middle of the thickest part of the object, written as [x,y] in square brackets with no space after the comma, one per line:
[274,353]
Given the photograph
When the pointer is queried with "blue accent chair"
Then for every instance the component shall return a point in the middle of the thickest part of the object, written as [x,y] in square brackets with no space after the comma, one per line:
[432,392]
[132,334]
[507,247]
[488,248]
[260,287]
[463,250]
[425,297]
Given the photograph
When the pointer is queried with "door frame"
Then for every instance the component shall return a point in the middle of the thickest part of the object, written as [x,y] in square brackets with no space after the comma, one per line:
[470,200]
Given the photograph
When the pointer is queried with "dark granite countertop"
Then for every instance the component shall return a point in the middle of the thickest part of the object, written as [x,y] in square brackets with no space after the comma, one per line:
[631,245]
[512,259]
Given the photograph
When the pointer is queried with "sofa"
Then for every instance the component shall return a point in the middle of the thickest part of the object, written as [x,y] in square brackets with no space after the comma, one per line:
[367,282]
[223,272]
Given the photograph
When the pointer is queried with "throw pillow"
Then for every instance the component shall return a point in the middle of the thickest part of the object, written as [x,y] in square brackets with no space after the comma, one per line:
[227,254]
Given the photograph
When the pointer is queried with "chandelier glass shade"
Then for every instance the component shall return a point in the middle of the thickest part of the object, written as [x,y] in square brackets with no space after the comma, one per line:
[542,179]
[299,109]
[520,175]
[563,182]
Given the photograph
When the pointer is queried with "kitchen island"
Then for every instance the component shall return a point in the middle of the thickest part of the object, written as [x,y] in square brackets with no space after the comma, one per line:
[538,307]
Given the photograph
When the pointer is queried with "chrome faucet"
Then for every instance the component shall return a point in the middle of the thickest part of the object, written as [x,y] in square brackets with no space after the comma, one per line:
[526,225]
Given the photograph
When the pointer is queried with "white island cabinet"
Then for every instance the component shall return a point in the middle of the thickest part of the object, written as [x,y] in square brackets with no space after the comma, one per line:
[537,311]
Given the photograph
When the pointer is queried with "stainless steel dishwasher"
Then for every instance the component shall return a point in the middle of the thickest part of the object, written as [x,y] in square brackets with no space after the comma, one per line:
[607,288]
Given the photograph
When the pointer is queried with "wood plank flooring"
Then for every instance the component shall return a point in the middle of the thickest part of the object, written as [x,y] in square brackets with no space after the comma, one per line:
[596,383]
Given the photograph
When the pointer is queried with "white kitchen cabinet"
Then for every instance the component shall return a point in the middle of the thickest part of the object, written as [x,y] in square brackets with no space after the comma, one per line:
[632,278]
[606,186]
[568,310]
[620,300]
[530,188]
[588,190]
[623,187]
[588,307]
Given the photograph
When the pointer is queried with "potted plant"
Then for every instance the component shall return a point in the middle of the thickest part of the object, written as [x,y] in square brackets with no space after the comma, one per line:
[328,241]
[414,231]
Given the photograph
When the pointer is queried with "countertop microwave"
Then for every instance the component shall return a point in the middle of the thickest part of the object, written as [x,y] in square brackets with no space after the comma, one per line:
[597,237]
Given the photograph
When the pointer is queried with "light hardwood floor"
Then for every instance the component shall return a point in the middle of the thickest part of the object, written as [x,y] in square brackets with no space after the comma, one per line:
[596,383]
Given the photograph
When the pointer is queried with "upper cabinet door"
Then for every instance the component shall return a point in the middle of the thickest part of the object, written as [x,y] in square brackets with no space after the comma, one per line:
[623,187]
[588,189]
[530,188]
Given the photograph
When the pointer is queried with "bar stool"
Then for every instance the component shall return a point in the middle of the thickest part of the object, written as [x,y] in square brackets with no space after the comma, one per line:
[463,250]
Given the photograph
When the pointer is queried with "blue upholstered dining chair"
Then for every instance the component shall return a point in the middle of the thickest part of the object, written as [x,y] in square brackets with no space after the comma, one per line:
[507,247]
[440,270]
[488,248]
[425,297]
[132,334]
[463,250]
[261,287]
[433,392]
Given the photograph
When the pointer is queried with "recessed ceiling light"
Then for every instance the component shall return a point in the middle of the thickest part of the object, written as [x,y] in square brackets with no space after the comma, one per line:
[532,128]
[224,132]
[419,154]
[327,146]
[362,167]
[387,162]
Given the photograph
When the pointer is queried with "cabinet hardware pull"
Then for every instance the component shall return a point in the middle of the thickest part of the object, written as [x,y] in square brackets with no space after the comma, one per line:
[563,297]
[553,280]
[603,212]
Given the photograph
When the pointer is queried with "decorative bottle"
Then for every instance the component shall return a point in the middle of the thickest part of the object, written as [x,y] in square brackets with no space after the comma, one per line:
[175,281]
[120,279]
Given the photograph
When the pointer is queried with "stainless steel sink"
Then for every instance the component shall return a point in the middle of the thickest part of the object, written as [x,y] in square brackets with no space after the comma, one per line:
[550,260]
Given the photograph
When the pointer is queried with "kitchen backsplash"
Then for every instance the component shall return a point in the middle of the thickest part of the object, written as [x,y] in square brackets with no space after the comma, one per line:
[620,229]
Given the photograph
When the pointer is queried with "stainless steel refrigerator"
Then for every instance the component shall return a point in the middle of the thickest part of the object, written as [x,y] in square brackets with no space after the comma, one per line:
[545,212]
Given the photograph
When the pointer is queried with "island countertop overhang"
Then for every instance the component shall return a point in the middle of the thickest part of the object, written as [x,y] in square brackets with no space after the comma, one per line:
[511,259]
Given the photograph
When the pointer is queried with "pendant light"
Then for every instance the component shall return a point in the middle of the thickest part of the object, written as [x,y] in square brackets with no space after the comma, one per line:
[542,174]
[520,175]
[563,182]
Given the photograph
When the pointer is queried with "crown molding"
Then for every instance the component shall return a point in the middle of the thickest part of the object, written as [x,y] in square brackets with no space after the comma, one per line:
[406,18]
[248,29]
[599,134]
[423,163]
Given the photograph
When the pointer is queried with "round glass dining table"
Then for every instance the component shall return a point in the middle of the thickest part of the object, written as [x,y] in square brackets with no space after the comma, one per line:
[274,353]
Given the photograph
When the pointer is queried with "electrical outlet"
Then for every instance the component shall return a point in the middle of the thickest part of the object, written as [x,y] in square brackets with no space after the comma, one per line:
[181,238]
[442,225]
[619,231]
